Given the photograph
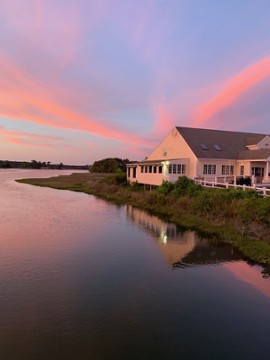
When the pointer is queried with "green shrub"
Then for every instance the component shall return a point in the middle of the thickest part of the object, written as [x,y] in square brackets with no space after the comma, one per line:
[165,188]
[119,178]
[186,186]
[263,210]
[157,198]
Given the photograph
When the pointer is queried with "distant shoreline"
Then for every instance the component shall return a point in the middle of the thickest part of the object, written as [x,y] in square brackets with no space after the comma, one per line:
[40,165]
[255,245]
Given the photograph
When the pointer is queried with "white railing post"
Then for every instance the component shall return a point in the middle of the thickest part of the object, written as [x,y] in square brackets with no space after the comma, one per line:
[227,185]
[264,191]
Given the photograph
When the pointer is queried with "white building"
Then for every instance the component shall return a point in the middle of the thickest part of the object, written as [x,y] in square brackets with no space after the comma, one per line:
[206,154]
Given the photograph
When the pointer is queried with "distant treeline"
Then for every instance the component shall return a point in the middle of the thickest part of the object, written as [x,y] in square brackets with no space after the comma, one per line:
[34,164]
[109,165]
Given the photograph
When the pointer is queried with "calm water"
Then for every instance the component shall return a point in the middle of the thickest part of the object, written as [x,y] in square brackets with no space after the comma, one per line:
[84,279]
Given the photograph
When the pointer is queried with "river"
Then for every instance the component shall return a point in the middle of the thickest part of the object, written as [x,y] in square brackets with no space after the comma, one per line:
[81,279]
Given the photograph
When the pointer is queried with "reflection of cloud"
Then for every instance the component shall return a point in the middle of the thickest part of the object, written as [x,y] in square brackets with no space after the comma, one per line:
[250,275]
[232,90]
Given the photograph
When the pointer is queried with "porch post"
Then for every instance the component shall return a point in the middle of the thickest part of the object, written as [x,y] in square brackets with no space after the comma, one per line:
[267,170]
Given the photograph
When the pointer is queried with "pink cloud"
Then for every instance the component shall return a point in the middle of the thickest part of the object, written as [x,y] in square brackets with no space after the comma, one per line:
[232,90]
[24,97]
[4,131]
[163,119]
[25,142]
[135,153]
[59,36]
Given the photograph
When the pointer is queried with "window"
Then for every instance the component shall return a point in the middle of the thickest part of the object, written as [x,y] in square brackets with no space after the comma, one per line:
[217,147]
[203,146]
[146,169]
[150,169]
[209,169]
[154,169]
[142,168]
[242,170]
[160,169]
[227,170]
[177,169]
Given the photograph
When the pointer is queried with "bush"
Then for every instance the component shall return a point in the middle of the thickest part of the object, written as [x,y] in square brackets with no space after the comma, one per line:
[185,186]
[244,181]
[120,178]
[165,188]
[263,210]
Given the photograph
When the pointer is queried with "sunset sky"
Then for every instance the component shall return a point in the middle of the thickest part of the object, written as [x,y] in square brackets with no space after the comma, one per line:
[81,80]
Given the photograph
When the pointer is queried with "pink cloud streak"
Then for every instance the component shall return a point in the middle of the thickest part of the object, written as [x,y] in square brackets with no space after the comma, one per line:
[163,119]
[6,132]
[25,142]
[22,92]
[232,90]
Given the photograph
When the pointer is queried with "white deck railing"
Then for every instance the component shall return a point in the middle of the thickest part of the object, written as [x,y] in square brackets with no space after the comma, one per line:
[217,185]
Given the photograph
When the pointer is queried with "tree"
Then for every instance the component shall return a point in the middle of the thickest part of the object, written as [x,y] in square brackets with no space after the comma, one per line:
[109,165]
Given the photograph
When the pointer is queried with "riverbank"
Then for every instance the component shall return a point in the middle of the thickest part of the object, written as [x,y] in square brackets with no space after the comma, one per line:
[229,216]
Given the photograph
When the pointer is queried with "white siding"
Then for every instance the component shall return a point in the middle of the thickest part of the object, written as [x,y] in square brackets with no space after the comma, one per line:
[173,146]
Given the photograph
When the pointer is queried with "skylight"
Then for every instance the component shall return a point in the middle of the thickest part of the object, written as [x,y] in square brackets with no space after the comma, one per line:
[217,147]
[203,147]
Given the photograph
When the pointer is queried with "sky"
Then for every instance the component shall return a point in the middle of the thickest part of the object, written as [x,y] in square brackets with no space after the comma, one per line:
[82,80]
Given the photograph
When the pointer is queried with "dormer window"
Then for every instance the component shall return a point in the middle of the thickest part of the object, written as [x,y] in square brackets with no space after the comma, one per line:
[217,147]
[203,147]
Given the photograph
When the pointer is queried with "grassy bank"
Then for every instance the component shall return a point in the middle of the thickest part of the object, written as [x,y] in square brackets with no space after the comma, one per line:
[234,216]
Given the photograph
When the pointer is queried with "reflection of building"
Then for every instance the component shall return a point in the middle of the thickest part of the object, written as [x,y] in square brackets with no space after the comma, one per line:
[206,253]
[203,153]
[180,248]
[173,243]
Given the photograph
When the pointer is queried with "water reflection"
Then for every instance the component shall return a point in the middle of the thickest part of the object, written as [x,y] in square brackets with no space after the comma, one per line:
[251,275]
[80,280]
[182,248]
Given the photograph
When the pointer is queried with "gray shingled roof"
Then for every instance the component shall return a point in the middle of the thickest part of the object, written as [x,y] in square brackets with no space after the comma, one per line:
[259,154]
[254,140]
[230,142]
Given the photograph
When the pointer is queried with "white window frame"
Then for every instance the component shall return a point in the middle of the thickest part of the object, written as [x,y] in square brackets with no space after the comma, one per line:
[209,169]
